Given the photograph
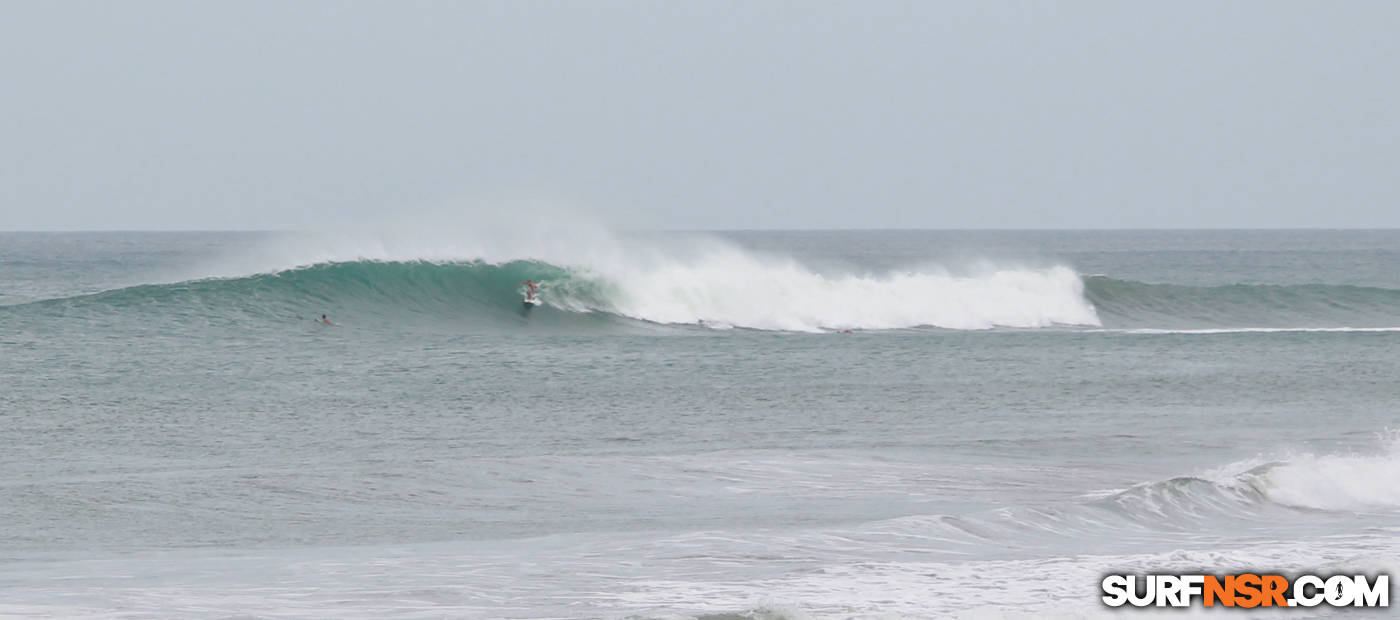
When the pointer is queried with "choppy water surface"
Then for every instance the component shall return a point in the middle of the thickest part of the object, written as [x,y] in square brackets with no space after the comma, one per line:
[685,428]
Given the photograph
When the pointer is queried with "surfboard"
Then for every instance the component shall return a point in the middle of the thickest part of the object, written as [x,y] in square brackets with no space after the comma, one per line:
[531,302]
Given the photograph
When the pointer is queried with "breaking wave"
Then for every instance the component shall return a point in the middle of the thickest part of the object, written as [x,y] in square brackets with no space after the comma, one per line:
[1227,503]
[719,285]
[729,289]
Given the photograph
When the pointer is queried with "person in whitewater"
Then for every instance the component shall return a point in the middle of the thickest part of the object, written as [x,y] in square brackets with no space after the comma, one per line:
[533,288]
[325,320]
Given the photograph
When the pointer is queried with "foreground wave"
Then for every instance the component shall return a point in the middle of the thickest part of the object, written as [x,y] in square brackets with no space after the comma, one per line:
[1013,561]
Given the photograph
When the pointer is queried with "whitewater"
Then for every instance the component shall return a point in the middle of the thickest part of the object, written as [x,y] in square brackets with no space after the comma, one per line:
[749,424]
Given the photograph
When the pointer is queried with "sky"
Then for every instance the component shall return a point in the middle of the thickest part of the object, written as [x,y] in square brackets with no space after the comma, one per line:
[697,115]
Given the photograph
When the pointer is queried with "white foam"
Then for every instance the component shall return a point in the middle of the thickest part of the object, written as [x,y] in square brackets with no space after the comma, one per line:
[1335,482]
[731,286]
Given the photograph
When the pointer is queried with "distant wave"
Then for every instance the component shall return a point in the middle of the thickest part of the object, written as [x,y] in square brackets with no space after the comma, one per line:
[716,293]
[719,285]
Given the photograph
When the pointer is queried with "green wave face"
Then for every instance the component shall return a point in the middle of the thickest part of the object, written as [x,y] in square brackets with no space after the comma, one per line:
[473,292]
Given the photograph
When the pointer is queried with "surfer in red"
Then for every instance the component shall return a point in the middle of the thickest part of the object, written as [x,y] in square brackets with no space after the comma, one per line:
[533,287]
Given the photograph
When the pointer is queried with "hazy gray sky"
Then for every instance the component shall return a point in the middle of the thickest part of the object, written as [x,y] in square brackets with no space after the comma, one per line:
[697,115]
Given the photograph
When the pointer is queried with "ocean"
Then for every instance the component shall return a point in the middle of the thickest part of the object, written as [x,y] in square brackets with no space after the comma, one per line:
[755,424]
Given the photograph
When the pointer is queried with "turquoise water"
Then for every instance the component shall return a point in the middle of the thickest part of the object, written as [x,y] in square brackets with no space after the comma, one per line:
[685,427]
